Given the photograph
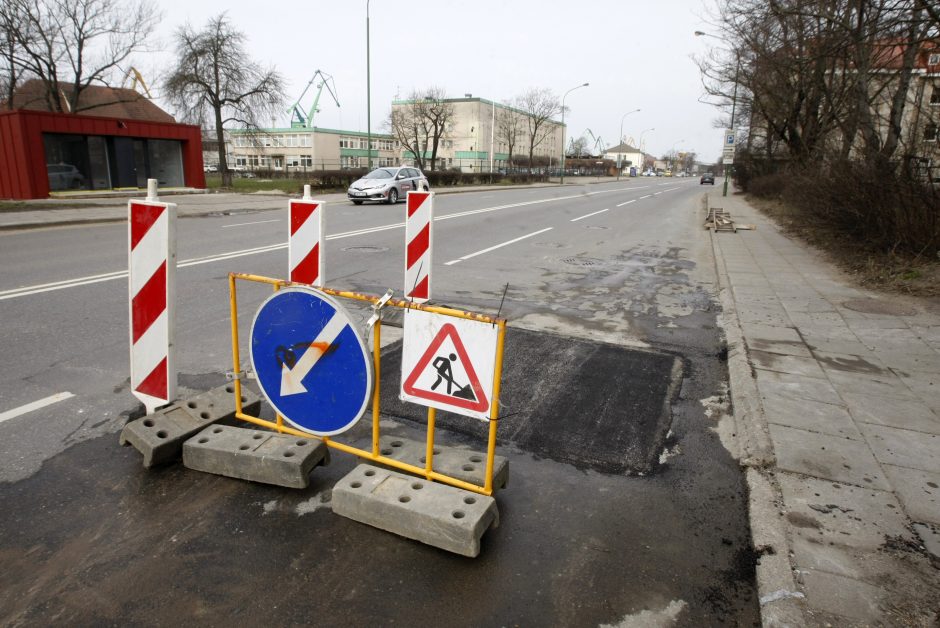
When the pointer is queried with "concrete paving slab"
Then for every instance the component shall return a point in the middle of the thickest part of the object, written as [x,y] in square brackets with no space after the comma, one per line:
[770,333]
[930,535]
[797,386]
[457,462]
[926,386]
[903,448]
[918,491]
[255,455]
[887,385]
[826,457]
[794,365]
[159,436]
[864,363]
[841,514]
[842,596]
[780,347]
[811,415]
[432,513]
[909,362]
[811,552]
[903,413]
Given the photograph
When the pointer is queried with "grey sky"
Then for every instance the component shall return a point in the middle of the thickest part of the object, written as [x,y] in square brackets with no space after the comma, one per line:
[634,55]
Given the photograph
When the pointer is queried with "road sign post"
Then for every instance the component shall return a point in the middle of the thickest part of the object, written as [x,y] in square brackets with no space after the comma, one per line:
[311,363]
[727,154]
[152,296]
[419,241]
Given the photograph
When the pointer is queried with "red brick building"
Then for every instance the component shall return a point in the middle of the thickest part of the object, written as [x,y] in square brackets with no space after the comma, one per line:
[117,139]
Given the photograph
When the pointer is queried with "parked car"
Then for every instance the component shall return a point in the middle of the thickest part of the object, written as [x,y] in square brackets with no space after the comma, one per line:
[387,185]
[210,168]
[64,177]
[708,177]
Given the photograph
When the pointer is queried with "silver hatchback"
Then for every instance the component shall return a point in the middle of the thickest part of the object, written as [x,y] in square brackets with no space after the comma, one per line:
[387,185]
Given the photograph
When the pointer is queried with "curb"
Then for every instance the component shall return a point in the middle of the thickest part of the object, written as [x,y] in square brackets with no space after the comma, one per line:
[776,588]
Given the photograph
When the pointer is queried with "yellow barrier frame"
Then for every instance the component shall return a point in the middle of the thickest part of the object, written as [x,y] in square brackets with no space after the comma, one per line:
[375,455]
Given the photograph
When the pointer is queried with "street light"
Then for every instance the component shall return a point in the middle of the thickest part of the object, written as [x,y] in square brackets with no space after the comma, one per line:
[642,154]
[563,129]
[368,95]
[734,102]
[620,141]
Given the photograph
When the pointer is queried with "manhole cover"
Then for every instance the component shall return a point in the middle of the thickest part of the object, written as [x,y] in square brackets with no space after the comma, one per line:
[874,306]
[366,249]
[583,261]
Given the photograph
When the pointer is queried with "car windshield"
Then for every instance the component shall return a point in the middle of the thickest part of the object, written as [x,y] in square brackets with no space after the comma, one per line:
[381,173]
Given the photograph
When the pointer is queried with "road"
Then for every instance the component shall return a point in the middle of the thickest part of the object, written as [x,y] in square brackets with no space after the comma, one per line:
[623,505]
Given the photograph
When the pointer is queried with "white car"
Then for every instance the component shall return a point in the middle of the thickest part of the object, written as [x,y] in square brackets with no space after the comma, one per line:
[387,185]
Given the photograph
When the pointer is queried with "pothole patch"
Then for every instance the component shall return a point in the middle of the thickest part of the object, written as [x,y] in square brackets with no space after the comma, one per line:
[876,306]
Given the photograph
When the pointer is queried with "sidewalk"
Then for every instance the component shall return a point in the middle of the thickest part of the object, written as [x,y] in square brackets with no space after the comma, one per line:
[836,394]
[113,208]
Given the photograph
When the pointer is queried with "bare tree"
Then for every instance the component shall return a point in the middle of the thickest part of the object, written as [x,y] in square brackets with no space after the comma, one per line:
[509,128]
[71,44]
[214,77]
[539,106]
[422,122]
[577,147]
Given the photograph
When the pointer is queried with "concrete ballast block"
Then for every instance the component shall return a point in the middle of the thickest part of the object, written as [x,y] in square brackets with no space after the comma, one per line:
[436,514]
[255,455]
[456,462]
[159,436]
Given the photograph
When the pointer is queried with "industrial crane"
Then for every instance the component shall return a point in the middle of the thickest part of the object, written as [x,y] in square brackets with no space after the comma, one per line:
[599,146]
[298,119]
[137,79]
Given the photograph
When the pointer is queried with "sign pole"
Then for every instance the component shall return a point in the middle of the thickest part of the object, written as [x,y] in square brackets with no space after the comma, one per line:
[305,241]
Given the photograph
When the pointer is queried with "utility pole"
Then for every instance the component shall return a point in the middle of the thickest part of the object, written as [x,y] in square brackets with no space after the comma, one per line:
[563,129]
[368,95]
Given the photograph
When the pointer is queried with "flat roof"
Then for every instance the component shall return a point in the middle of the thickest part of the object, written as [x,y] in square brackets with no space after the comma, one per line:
[310,130]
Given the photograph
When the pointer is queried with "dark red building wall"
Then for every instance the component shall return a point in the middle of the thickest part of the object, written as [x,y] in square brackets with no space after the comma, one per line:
[22,154]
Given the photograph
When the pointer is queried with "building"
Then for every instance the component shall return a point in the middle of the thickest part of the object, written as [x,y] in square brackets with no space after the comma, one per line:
[301,149]
[116,140]
[627,156]
[473,141]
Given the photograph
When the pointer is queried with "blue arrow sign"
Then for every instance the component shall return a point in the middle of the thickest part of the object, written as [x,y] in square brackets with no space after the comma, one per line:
[311,364]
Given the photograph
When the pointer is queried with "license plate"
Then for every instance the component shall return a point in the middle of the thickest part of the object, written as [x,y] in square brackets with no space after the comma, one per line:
[359,193]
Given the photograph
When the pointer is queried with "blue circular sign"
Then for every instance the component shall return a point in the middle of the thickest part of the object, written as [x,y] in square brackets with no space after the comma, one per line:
[311,364]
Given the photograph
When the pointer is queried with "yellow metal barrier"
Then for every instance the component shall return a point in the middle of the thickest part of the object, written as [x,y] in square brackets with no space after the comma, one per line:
[375,455]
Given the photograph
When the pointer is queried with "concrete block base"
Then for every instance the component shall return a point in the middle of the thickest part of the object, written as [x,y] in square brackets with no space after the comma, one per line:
[159,436]
[255,455]
[436,514]
[463,464]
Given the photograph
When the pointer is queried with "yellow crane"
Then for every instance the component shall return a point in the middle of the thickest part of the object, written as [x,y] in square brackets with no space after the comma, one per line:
[133,73]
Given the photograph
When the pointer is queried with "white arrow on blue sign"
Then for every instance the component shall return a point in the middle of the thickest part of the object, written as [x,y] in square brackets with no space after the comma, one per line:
[311,364]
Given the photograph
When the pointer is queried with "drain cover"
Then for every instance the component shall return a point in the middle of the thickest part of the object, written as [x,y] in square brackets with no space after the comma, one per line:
[366,249]
[874,306]
[583,261]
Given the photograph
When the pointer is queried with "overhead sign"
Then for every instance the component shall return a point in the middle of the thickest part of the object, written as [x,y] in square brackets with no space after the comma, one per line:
[311,363]
[448,363]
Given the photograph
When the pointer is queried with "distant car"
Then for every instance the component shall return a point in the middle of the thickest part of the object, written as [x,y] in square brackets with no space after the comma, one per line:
[64,177]
[210,168]
[387,185]
[708,177]
[668,173]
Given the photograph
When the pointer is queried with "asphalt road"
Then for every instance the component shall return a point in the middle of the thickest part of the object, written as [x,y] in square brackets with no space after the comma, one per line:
[622,499]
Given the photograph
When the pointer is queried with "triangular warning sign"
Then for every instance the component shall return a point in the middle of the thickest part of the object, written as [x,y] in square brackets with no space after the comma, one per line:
[446,389]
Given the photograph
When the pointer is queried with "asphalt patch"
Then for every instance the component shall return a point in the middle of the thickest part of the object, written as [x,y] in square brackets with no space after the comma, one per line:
[593,405]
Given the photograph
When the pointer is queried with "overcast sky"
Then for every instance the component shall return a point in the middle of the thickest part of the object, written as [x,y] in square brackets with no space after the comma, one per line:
[634,55]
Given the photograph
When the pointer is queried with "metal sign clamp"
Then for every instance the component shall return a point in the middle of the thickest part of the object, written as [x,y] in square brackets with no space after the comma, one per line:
[377,308]
[231,376]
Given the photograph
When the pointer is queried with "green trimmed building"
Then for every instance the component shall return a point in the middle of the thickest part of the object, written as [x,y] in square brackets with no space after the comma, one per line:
[301,149]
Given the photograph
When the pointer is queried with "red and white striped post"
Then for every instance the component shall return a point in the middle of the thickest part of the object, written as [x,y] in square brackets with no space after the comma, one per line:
[152,294]
[305,246]
[418,245]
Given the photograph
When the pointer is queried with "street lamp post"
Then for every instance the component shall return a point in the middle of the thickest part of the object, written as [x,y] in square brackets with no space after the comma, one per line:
[620,142]
[368,95]
[642,133]
[734,104]
[563,129]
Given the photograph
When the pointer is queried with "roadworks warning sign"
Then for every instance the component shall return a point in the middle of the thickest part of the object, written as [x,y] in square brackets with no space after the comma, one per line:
[448,363]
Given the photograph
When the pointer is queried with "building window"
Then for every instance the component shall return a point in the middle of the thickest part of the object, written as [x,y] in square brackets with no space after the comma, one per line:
[933,59]
[930,132]
[306,161]
[935,95]
[292,161]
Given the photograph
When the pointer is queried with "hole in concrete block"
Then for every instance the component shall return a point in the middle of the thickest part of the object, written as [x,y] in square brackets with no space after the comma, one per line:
[288,454]
[257,437]
[244,447]
[301,443]
[423,459]
[404,499]
[217,430]
[161,434]
[396,443]
[417,486]
[436,451]
[203,441]
[469,500]
[369,473]
[191,404]
[244,399]
[386,452]
[476,459]
[457,514]
[355,484]
[148,422]
[468,467]
[229,389]
[204,415]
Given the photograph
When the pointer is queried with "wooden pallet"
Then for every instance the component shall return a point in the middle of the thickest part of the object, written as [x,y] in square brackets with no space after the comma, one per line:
[720,220]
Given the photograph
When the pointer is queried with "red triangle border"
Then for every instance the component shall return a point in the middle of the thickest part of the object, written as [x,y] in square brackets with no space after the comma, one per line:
[408,386]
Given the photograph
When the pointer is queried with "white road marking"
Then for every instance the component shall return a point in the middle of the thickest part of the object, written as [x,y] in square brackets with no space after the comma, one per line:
[122,274]
[35,405]
[498,246]
[658,193]
[626,203]
[245,224]
[589,215]
[647,196]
